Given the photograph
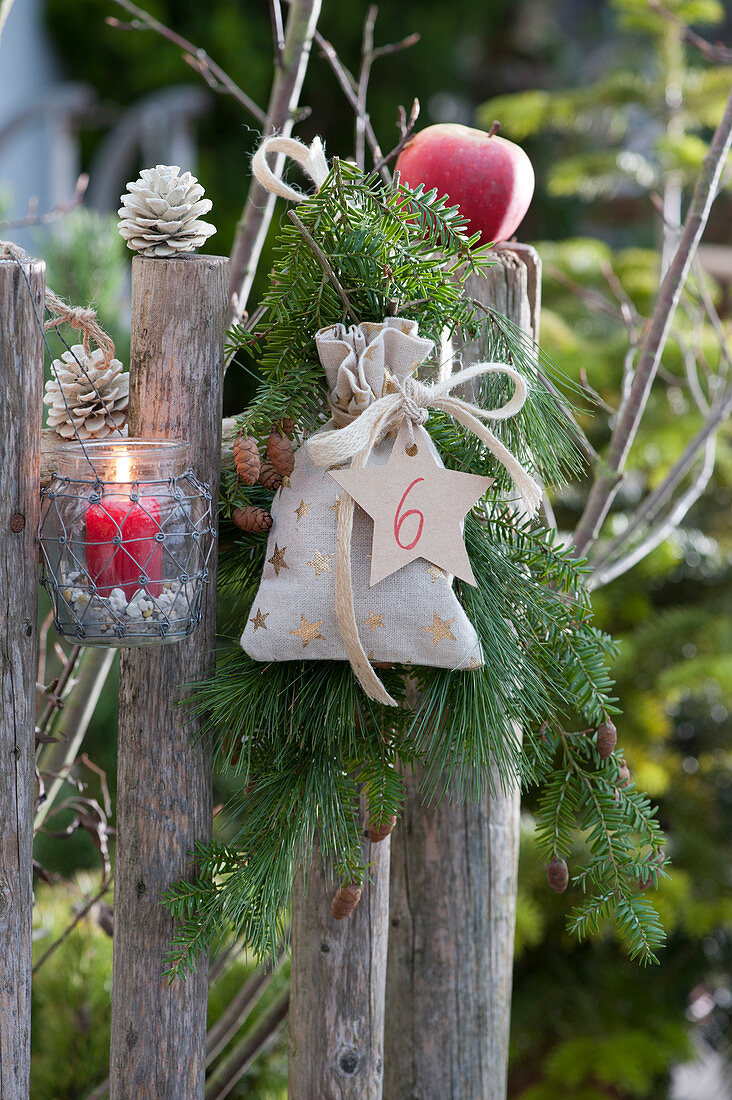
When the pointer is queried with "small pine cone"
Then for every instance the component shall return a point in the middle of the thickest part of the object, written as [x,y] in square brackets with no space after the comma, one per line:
[381,832]
[253,519]
[160,212]
[288,425]
[607,738]
[557,875]
[269,477]
[88,398]
[345,901]
[623,774]
[279,449]
[246,459]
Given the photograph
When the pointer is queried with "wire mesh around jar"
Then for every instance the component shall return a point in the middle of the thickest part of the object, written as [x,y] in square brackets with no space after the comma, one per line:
[125,564]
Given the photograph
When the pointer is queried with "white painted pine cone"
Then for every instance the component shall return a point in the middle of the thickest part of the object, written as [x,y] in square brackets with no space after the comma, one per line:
[160,211]
[96,400]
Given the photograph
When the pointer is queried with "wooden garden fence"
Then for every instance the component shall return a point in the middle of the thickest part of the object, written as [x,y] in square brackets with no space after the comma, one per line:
[411,996]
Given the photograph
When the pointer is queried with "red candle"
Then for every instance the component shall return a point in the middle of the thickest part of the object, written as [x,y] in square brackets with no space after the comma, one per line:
[136,554]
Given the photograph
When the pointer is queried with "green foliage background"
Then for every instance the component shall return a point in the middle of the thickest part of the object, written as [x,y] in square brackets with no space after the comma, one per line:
[586,1024]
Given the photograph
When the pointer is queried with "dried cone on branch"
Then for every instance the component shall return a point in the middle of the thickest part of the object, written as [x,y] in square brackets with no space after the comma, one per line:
[97,395]
[623,774]
[381,832]
[246,459]
[252,519]
[607,738]
[557,875]
[345,901]
[279,449]
[269,477]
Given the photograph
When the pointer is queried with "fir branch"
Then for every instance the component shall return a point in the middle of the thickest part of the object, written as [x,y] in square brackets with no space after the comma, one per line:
[323,263]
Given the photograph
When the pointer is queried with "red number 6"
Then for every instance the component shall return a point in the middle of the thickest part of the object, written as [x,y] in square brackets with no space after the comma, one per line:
[399,520]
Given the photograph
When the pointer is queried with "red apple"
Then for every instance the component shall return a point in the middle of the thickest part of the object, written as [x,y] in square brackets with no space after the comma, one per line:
[488,177]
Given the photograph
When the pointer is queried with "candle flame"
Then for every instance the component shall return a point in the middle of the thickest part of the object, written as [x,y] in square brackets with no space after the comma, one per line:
[123,468]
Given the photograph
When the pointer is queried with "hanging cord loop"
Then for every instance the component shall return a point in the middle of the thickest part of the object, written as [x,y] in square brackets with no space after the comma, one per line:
[83,320]
[310,158]
[79,318]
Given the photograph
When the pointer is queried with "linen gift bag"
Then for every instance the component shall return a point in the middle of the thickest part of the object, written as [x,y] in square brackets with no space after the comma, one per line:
[411,617]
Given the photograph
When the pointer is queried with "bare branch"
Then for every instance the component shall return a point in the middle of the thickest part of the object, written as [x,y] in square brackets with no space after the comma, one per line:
[347,84]
[406,126]
[596,301]
[661,531]
[62,685]
[240,1006]
[396,47]
[631,413]
[711,311]
[252,229]
[216,77]
[629,313]
[278,30]
[91,902]
[95,666]
[717,51]
[60,210]
[355,91]
[252,1045]
[651,506]
[367,59]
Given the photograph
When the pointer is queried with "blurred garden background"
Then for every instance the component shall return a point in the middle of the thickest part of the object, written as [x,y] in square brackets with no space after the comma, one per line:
[615,111]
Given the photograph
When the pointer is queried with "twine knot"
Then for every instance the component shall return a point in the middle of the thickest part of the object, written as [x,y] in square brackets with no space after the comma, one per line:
[82,319]
[414,407]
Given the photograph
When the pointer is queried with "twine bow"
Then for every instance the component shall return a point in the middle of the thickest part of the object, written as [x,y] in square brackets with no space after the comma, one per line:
[356,439]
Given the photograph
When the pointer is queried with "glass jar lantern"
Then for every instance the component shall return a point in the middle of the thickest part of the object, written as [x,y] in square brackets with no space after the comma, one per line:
[126,533]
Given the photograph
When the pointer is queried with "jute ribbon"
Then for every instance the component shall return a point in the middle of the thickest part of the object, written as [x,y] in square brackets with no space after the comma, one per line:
[356,440]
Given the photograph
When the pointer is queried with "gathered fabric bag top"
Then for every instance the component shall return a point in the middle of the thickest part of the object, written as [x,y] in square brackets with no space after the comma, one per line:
[409,617]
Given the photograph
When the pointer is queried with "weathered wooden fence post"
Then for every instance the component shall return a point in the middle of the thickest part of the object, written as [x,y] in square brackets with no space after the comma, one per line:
[21,382]
[453,884]
[337,988]
[158,1046]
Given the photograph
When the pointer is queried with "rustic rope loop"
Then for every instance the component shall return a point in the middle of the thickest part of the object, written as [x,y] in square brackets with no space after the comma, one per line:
[82,319]
[310,158]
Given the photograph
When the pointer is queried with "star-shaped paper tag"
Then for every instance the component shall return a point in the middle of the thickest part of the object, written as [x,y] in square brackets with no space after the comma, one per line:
[417,507]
